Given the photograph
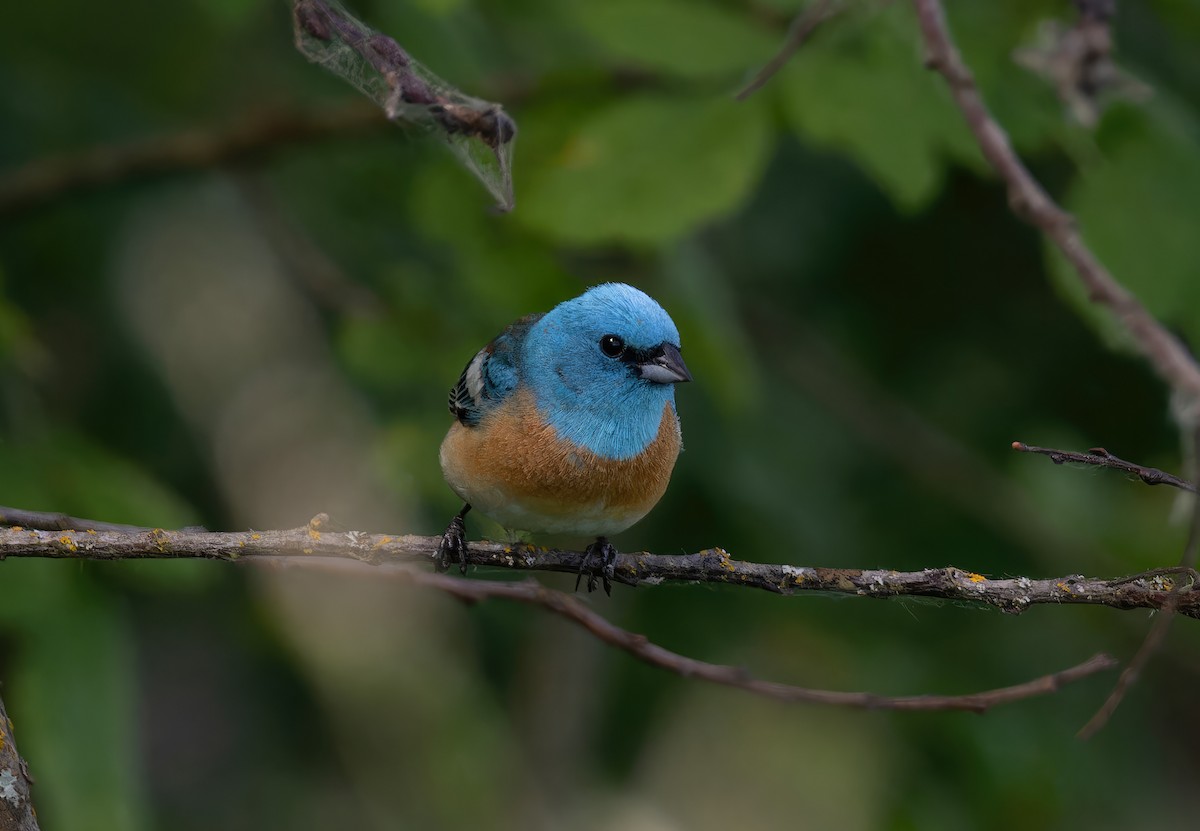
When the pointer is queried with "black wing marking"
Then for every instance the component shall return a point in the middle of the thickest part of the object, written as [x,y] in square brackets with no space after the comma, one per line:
[491,375]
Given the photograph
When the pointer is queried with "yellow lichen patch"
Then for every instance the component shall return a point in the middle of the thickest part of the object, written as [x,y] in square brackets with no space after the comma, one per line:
[383,541]
[161,539]
[256,537]
[1063,587]
[16,528]
[726,563]
[68,543]
[306,551]
[974,578]
[314,534]
[91,531]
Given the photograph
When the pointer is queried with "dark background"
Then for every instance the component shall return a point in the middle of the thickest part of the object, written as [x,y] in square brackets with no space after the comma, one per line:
[869,328]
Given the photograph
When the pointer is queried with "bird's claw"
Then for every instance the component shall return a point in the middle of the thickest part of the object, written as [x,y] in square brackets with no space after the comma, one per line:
[453,547]
[599,560]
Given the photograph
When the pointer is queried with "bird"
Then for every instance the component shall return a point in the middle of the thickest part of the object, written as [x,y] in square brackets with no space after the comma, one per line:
[565,423]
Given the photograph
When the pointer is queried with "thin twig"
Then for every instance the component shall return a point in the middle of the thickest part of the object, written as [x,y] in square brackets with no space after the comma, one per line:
[1158,632]
[1009,594]
[1099,457]
[48,521]
[803,25]
[43,180]
[574,610]
[16,807]
[1165,353]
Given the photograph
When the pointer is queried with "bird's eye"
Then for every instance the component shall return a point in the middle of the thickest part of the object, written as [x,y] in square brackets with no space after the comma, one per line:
[612,346]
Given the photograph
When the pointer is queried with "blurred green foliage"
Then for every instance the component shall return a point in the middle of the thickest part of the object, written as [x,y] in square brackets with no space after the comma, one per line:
[250,344]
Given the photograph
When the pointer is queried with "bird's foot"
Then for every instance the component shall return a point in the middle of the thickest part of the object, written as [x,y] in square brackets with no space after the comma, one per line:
[599,561]
[453,547]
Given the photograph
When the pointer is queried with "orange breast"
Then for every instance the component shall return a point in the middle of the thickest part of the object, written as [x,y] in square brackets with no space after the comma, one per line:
[515,468]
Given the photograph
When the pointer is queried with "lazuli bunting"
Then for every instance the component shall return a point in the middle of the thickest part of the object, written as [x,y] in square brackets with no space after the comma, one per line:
[566,423]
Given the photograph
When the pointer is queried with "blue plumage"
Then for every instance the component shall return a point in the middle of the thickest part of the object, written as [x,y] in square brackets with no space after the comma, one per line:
[566,421]
[596,401]
[591,399]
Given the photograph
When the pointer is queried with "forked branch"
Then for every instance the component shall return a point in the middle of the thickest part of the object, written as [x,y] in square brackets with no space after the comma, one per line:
[572,608]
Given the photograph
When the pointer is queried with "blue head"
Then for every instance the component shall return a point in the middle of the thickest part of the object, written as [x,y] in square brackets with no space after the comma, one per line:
[602,368]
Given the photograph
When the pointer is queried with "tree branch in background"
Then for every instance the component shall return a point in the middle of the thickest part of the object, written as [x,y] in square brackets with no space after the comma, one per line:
[43,180]
[356,553]
[1009,594]
[1162,623]
[379,67]
[1099,457]
[1166,354]
[16,808]
[46,521]
[575,610]
[803,25]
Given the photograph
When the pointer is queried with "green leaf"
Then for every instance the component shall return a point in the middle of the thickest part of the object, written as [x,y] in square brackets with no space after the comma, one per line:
[647,169]
[862,90]
[1138,211]
[691,39]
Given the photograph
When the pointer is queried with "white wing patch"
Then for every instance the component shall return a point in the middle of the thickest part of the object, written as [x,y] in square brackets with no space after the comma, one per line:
[473,375]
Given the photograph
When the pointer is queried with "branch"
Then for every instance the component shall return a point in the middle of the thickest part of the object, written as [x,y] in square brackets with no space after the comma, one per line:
[803,25]
[45,521]
[1099,457]
[575,610]
[16,809]
[1162,624]
[379,67]
[1166,354]
[354,552]
[1150,590]
[43,180]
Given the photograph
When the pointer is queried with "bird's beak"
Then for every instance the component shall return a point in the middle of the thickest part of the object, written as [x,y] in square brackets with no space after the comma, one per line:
[665,366]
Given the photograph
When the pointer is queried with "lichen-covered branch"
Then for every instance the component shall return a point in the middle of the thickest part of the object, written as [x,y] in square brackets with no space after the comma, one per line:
[1009,594]
[16,808]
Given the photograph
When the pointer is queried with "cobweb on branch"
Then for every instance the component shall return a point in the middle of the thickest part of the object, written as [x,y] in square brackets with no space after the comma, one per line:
[479,132]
